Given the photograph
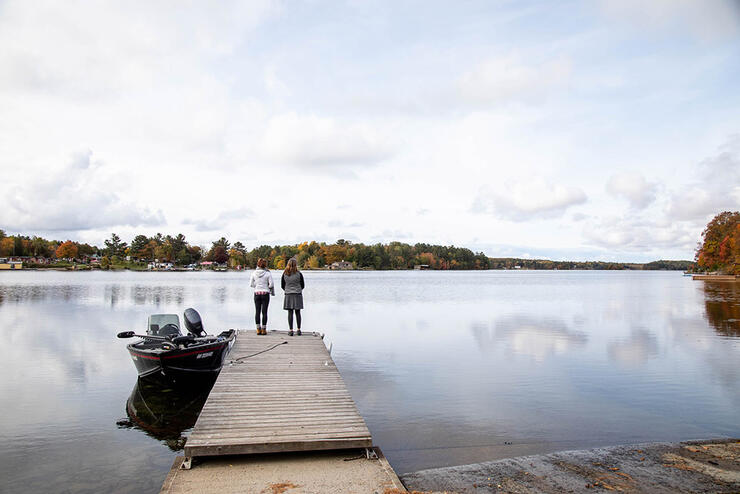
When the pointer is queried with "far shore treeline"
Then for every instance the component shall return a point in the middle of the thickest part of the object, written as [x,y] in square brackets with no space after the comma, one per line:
[142,251]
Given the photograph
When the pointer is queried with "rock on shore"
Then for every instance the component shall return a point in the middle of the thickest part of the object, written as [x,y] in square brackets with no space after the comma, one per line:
[694,466]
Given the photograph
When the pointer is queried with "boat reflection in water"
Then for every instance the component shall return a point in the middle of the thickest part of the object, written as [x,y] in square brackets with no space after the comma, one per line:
[165,410]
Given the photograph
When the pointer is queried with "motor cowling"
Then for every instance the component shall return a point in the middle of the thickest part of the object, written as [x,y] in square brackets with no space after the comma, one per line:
[193,322]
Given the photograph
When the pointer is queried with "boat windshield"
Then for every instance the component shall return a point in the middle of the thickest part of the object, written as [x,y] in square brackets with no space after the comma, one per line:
[157,321]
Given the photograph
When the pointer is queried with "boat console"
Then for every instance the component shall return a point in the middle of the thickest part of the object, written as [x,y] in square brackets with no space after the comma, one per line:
[167,325]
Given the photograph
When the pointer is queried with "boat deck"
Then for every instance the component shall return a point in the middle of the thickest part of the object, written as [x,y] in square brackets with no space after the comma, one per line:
[287,398]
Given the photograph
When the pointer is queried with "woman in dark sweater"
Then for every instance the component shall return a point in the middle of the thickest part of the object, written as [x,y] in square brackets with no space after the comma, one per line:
[292,284]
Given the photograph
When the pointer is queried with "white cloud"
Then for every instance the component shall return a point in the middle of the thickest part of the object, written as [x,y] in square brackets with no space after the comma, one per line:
[634,188]
[101,50]
[79,196]
[321,143]
[528,199]
[630,234]
[337,223]
[509,78]
[220,221]
[715,188]
[711,19]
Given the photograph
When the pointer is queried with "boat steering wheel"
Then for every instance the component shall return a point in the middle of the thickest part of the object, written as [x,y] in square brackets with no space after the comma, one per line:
[168,329]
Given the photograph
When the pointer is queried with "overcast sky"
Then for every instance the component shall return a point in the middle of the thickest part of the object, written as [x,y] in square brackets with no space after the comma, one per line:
[569,130]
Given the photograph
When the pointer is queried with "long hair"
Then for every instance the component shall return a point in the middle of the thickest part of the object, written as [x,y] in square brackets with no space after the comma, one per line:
[291,267]
[262,263]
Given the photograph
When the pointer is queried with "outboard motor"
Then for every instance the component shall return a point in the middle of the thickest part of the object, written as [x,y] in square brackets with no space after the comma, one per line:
[193,322]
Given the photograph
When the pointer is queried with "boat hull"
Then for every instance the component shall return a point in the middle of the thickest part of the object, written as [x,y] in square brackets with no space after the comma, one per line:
[202,360]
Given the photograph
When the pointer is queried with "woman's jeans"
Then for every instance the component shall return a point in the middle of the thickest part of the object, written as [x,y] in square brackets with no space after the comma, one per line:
[261,301]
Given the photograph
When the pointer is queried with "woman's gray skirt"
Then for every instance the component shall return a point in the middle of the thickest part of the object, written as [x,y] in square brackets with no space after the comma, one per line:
[293,301]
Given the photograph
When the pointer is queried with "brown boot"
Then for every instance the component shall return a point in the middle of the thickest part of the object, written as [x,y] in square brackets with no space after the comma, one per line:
[259,329]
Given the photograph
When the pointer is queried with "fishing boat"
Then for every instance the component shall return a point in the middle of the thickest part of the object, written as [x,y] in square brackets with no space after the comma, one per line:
[165,350]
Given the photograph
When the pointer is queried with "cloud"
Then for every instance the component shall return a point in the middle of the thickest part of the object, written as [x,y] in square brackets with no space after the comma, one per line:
[716,186]
[80,196]
[506,79]
[336,223]
[531,199]
[713,19]
[322,144]
[220,221]
[634,188]
[637,235]
[99,51]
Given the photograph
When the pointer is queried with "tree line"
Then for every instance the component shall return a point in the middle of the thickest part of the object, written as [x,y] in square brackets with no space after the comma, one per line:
[312,255]
[719,249]
[177,250]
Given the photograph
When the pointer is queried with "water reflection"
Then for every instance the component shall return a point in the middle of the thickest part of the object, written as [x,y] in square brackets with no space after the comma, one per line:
[446,368]
[635,351]
[157,295]
[537,338]
[164,410]
[40,293]
[722,305]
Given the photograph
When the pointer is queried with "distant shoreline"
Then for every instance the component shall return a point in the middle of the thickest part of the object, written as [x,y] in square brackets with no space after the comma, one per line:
[120,270]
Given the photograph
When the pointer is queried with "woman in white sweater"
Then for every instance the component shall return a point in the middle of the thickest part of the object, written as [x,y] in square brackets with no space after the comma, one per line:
[263,286]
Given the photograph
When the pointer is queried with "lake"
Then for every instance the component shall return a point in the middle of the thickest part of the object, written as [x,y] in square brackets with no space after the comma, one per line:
[446,367]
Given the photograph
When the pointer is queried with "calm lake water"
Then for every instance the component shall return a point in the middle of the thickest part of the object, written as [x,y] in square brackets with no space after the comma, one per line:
[446,367]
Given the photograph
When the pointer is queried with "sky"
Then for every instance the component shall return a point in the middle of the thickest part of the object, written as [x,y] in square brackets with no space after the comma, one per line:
[579,130]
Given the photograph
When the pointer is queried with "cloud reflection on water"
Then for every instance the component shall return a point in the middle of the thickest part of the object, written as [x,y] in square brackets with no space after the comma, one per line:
[445,367]
[635,351]
[526,335]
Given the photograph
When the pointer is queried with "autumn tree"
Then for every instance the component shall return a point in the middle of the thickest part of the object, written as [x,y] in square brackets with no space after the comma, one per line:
[720,247]
[68,250]
[6,246]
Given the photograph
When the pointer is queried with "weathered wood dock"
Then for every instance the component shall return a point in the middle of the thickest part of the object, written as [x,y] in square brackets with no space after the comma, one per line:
[280,394]
[716,277]
[287,398]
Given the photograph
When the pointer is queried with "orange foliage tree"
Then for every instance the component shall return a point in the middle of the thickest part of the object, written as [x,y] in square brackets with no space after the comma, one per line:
[720,247]
[67,250]
[6,246]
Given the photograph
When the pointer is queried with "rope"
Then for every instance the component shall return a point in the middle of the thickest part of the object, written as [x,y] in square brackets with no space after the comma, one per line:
[261,351]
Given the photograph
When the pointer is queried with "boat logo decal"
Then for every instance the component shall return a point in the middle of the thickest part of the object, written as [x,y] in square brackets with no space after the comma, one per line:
[204,355]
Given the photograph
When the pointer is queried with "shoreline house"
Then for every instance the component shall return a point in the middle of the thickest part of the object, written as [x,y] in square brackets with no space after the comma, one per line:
[160,266]
[340,265]
[8,264]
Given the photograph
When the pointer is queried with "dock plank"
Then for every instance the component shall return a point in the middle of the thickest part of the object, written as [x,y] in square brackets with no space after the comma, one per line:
[289,398]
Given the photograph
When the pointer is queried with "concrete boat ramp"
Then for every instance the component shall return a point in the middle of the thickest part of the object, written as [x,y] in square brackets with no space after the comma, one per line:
[280,419]
[688,467]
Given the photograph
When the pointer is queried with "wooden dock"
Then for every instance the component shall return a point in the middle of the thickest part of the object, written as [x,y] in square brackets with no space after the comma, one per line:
[288,398]
[716,277]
